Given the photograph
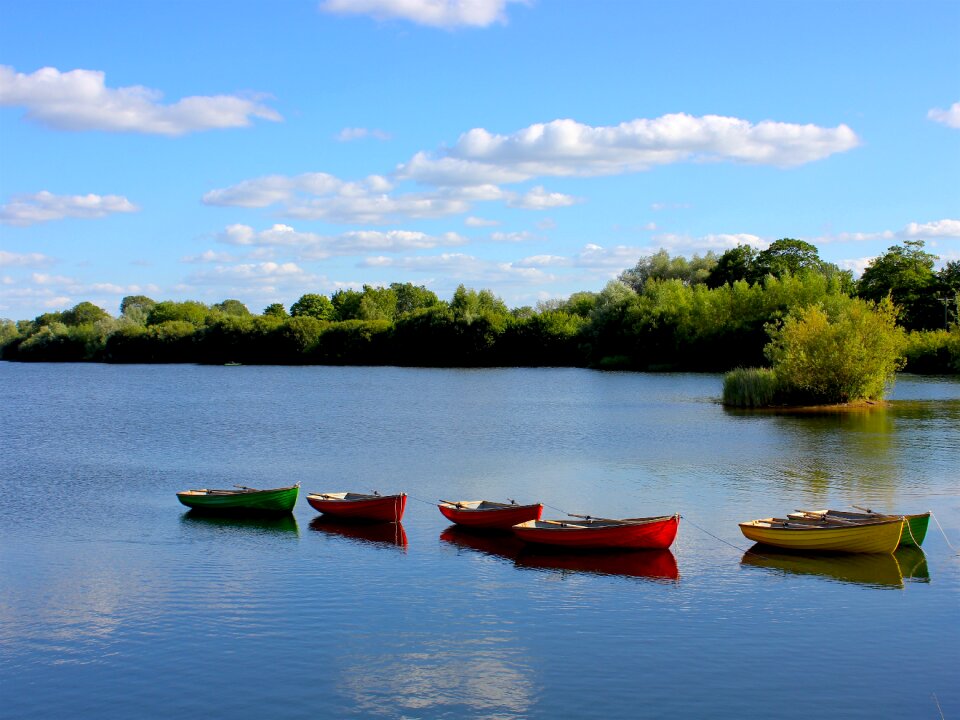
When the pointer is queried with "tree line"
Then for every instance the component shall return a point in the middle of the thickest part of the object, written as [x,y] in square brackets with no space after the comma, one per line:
[711,313]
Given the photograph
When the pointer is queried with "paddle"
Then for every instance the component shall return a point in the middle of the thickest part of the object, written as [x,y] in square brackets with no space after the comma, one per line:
[450,502]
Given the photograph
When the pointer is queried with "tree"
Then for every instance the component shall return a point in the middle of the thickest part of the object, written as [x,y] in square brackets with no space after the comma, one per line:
[275,310]
[312,305]
[660,266]
[411,298]
[470,305]
[85,313]
[377,303]
[189,311]
[905,273]
[346,304]
[784,256]
[833,355]
[232,307]
[135,308]
[735,264]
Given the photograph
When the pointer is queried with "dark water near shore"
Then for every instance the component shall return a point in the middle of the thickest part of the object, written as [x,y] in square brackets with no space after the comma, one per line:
[115,602]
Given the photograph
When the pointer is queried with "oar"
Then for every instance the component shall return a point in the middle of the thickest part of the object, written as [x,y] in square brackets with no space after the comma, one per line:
[450,502]
[866,510]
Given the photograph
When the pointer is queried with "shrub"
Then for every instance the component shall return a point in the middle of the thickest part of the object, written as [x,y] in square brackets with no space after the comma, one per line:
[750,387]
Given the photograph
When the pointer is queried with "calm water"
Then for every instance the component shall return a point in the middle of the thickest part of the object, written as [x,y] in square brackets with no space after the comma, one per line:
[117,603]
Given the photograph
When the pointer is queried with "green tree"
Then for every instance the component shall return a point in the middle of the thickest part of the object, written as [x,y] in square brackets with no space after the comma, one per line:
[85,313]
[136,308]
[906,274]
[849,352]
[275,310]
[787,256]
[660,266]
[411,298]
[735,264]
[189,311]
[470,305]
[377,303]
[346,304]
[313,305]
[232,307]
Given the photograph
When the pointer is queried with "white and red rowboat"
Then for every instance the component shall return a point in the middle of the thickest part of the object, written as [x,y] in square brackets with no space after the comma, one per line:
[358,506]
[489,514]
[598,534]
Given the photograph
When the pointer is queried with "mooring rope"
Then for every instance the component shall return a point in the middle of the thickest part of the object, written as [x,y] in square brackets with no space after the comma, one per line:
[946,539]
[735,547]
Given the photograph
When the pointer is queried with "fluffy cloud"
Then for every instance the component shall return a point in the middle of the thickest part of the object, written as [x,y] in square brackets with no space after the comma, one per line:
[266,273]
[433,13]
[937,229]
[459,266]
[314,246]
[480,222]
[539,199]
[949,117]
[44,206]
[568,148]
[319,196]
[80,100]
[25,259]
[351,134]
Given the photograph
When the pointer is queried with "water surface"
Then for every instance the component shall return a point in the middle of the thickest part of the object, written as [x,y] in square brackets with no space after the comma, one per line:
[116,602]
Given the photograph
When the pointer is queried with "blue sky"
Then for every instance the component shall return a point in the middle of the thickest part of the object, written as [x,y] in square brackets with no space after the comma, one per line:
[260,151]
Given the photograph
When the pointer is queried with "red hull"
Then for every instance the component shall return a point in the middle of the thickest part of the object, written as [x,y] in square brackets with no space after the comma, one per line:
[640,533]
[502,518]
[380,508]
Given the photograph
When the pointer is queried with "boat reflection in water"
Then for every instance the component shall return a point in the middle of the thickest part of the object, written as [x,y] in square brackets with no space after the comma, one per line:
[649,564]
[387,534]
[882,570]
[499,543]
[223,521]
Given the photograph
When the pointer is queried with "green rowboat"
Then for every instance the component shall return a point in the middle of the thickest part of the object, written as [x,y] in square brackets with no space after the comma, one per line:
[241,500]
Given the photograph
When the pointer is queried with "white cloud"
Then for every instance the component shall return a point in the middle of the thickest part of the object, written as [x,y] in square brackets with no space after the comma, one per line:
[45,279]
[209,256]
[480,222]
[937,229]
[512,237]
[80,100]
[23,210]
[718,242]
[314,246]
[433,13]
[251,274]
[568,148]
[949,117]
[460,267]
[856,265]
[539,199]
[351,134]
[25,259]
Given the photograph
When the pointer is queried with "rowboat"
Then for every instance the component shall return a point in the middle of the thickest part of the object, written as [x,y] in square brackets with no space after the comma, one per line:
[879,536]
[914,526]
[873,569]
[241,500]
[358,506]
[489,514]
[589,533]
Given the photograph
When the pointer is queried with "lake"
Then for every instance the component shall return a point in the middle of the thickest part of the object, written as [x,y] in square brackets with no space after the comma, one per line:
[116,602]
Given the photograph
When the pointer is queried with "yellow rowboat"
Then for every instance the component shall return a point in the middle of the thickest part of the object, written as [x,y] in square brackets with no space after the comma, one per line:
[881,536]
[914,526]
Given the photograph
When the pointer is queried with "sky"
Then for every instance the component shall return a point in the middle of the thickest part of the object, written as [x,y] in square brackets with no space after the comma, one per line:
[263,150]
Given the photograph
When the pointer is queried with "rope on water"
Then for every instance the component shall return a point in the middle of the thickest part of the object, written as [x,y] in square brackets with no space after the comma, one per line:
[946,539]
[425,502]
[562,512]
[735,547]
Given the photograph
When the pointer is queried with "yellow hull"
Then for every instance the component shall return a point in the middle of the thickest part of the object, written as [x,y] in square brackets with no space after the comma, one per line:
[878,537]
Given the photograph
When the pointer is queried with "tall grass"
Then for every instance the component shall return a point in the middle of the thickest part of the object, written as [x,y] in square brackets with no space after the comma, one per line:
[750,387]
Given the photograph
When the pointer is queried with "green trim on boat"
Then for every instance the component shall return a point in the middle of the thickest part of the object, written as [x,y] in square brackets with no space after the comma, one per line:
[915,530]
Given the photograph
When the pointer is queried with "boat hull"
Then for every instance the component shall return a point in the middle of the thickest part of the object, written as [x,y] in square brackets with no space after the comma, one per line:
[878,537]
[635,534]
[276,500]
[379,508]
[497,517]
[914,526]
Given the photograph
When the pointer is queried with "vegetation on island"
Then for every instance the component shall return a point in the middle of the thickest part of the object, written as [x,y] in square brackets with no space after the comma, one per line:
[810,331]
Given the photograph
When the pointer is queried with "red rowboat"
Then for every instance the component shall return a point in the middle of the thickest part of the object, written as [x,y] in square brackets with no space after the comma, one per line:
[357,506]
[597,534]
[489,514]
